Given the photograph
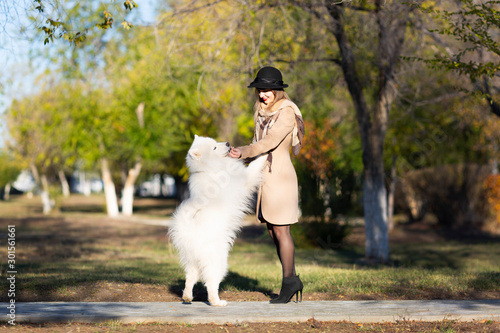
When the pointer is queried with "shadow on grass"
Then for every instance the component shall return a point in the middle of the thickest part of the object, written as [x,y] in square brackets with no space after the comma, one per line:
[89,208]
[232,279]
[447,255]
[57,258]
[81,283]
[427,249]
[486,281]
[58,255]
[153,206]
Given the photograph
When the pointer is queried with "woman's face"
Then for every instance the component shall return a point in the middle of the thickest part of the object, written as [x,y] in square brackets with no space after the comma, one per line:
[266,96]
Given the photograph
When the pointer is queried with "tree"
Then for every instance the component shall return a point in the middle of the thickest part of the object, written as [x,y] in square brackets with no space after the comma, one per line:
[82,65]
[367,58]
[173,110]
[9,171]
[372,94]
[41,129]
[474,25]
[56,18]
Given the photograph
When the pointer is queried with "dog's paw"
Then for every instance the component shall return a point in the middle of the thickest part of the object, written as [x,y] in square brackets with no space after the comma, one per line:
[187,298]
[218,303]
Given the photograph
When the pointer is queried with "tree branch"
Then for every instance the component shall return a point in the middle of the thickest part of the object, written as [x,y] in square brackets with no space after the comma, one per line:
[484,89]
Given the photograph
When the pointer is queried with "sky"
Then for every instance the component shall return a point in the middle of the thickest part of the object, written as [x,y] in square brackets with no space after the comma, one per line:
[18,68]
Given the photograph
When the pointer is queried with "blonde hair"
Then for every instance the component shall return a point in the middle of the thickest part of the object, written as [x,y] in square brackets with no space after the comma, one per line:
[278,96]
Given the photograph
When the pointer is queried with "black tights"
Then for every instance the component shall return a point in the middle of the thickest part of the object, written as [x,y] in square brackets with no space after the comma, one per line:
[282,238]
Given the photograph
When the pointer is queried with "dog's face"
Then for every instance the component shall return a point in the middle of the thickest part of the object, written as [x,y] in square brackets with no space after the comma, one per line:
[206,151]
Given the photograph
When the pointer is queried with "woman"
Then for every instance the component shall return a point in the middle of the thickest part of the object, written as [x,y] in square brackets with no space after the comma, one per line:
[278,126]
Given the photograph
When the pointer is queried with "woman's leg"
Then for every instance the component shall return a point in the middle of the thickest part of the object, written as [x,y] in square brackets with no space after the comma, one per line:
[282,238]
[273,237]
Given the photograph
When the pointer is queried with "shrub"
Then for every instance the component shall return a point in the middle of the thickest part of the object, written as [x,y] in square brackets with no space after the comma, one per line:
[317,233]
[455,194]
[492,187]
[9,171]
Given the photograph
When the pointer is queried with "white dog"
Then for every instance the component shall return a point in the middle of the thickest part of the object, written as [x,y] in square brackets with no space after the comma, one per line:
[205,225]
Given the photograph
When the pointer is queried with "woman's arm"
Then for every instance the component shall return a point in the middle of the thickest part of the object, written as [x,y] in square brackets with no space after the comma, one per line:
[277,133]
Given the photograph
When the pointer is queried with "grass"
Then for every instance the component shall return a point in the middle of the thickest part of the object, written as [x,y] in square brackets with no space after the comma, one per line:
[84,256]
[340,278]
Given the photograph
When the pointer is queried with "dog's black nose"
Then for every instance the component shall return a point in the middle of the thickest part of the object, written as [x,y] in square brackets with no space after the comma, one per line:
[227,144]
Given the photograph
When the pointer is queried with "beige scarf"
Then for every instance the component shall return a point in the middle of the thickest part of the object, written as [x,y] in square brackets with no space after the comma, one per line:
[266,120]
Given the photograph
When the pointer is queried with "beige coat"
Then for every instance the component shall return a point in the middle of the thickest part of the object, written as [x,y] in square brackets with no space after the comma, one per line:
[278,195]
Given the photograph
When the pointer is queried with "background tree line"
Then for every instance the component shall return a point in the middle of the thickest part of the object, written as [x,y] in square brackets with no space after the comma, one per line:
[384,130]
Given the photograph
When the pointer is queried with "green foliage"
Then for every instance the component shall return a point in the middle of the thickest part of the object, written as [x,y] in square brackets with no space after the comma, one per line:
[320,234]
[9,169]
[42,128]
[173,113]
[428,124]
[59,18]
[329,168]
[475,25]
[191,71]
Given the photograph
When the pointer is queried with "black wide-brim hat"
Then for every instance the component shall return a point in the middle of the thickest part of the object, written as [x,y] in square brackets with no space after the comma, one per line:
[268,78]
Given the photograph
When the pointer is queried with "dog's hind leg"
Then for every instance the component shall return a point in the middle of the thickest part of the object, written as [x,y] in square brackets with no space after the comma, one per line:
[213,275]
[192,276]
[213,293]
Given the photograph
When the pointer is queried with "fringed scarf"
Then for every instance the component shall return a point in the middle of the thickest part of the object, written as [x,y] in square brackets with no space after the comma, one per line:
[266,120]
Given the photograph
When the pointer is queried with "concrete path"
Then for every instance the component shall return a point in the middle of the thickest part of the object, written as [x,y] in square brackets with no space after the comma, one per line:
[239,312]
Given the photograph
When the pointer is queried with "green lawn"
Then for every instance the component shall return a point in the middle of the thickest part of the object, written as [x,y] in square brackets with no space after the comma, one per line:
[85,256]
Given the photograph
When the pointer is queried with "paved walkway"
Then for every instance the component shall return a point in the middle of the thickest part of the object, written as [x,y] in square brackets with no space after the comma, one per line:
[239,312]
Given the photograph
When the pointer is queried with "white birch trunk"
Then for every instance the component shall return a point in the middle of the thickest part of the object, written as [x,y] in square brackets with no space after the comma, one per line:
[390,197]
[128,190]
[46,202]
[85,185]
[6,195]
[375,206]
[64,184]
[44,187]
[109,189]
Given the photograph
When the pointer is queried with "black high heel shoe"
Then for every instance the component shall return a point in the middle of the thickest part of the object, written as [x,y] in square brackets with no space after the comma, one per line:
[289,287]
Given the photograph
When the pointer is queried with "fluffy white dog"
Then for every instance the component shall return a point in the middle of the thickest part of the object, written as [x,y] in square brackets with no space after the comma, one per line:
[205,225]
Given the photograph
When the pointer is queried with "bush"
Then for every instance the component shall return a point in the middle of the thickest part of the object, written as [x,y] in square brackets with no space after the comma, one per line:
[455,194]
[322,234]
[9,171]
[492,186]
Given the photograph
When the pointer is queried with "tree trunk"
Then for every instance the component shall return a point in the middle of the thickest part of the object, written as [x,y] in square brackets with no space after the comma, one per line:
[64,183]
[390,196]
[416,206]
[375,206]
[372,121]
[85,184]
[182,189]
[47,204]
[6,194]
[128,190]
[44,188]
[109,189]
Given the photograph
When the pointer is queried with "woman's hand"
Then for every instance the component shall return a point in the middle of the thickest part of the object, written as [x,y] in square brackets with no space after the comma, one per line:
[235,153]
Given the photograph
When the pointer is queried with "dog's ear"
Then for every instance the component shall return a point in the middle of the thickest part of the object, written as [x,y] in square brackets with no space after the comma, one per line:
[194,154]
[196,136]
